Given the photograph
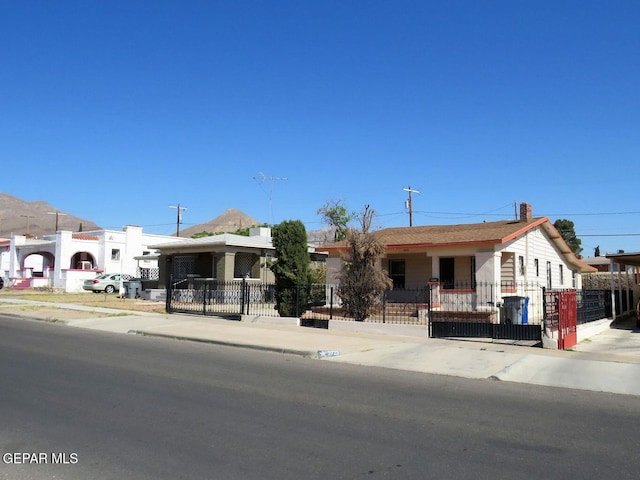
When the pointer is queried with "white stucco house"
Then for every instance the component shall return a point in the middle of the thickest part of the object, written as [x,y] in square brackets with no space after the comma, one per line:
[5,245]
[64,260]
[507,258]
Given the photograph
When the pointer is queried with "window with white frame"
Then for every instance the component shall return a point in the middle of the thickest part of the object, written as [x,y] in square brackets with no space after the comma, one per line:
[115,254]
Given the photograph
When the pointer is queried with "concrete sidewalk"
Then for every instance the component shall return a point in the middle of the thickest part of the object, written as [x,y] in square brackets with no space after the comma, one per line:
[599,369]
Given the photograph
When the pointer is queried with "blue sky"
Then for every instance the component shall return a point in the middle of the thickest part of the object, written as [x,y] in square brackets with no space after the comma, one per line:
[112,111]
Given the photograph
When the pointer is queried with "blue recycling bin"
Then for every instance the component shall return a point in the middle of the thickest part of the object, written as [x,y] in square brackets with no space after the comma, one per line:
[515,310]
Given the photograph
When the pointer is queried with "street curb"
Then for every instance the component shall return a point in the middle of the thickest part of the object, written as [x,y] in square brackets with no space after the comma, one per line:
[19,316]
[288,351]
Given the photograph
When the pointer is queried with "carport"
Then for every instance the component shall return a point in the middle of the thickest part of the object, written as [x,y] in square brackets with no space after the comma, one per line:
[623,260]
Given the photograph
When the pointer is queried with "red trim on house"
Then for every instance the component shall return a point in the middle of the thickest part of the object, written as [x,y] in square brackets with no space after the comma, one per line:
[529,226]
[80,236]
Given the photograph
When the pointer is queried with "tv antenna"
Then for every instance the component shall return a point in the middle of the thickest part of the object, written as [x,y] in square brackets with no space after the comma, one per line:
[409,203]
[263,178]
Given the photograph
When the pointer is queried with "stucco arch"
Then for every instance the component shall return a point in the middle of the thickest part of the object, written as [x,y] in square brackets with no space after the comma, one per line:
[38,262]
[82,261]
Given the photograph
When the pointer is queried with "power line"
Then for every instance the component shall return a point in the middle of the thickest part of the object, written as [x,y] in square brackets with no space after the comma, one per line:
[179,209]
[410,203]
[609,235]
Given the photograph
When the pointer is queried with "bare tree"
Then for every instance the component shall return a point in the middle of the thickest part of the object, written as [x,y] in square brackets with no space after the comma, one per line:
[362,281]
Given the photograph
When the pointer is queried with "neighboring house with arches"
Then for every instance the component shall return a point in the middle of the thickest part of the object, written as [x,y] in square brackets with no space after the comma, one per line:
[64,260]
[5,245]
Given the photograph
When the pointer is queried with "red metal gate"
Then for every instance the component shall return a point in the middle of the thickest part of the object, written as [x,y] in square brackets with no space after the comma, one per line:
[567,319]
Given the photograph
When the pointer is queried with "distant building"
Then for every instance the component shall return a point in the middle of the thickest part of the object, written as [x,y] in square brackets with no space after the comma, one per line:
[64,260]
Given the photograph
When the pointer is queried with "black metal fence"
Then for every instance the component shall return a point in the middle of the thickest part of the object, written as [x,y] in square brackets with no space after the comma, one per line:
[591,305]
[475,304]
[214,297]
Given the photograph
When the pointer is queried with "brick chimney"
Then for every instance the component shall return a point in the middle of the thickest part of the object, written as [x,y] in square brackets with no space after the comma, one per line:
[525,212]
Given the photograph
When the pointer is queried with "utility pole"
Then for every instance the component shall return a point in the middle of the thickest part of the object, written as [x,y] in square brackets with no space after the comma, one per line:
[27,217]
[261,179]
[409,203]
[57,214]
[179,219]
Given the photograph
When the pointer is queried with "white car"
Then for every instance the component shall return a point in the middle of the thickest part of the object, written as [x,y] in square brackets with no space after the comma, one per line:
[107,282]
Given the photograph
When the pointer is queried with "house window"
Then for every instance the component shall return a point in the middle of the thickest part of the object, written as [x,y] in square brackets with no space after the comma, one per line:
[521,265]
[508,270]
[183,265]
[537,267]
[561,276]
[447,273]
[548,274]
[397,273]
[242,265]
[115,254]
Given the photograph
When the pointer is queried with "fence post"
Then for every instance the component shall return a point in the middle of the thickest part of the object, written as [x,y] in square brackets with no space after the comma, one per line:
[243,285]
[331,305]
[430,333]
[384,306]
[204,297]
[167,300]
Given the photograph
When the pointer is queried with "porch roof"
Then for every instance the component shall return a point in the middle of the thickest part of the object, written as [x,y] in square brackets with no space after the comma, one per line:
[206,244]
[625,258]
[470,234]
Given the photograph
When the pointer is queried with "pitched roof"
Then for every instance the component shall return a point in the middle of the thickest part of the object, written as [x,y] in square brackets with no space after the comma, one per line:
[448,235]
[470,234]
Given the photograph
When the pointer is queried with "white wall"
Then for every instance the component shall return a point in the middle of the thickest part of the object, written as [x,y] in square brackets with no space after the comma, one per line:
[536,245]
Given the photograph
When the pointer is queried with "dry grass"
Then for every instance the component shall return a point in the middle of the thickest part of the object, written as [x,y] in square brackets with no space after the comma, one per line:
[102,300]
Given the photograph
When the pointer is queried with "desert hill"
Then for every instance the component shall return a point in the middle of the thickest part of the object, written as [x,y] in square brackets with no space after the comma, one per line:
[234,219]
[230,221]
[38,218]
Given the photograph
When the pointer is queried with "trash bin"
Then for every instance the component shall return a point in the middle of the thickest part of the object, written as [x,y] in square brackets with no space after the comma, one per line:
[515,310]
[133,287]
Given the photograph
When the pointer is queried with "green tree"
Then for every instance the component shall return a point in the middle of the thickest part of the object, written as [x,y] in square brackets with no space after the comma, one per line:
[241,231]
[362,282]
[291,267]
[336,215]
[567,231]
[202,234]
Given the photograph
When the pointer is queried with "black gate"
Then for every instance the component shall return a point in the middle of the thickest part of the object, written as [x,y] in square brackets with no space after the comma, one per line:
[214,297]
[495,331]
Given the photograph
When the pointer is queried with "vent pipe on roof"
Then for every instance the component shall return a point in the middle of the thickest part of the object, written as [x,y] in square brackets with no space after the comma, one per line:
[525,212]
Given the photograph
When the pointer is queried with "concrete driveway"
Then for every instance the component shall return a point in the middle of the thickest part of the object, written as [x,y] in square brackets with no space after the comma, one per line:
[623,338]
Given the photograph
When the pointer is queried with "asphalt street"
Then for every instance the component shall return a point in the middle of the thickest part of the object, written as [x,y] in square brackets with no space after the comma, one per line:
[607,358]
[140,408]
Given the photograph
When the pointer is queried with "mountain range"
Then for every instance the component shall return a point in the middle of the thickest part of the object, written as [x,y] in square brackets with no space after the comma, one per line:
[39,218]
[36,219]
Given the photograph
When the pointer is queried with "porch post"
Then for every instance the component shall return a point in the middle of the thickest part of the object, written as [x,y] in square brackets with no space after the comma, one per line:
[226,264]
[14,259]
[488,277]
[613,294]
